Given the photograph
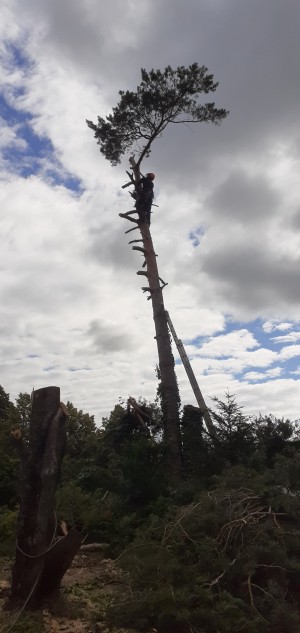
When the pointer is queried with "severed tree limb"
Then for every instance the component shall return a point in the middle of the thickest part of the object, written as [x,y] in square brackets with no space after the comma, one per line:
[139,414]
[146,289]
[133,241]
[250,591]
[142,272]
[94,547]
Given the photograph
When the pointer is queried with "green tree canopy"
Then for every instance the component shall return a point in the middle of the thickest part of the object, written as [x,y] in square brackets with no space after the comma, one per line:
[161,98]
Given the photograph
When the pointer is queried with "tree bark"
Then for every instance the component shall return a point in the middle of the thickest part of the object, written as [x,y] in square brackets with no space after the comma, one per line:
[37,550]
[169,387]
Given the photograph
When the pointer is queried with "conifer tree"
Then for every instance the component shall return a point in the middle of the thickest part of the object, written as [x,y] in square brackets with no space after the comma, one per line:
[140,117]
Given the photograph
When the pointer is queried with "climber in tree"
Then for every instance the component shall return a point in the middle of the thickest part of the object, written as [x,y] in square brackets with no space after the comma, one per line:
[143,196]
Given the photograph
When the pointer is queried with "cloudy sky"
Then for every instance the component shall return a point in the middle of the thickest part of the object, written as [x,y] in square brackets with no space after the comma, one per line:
[227,230]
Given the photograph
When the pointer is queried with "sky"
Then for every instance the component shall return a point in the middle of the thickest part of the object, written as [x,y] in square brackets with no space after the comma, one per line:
[227,229]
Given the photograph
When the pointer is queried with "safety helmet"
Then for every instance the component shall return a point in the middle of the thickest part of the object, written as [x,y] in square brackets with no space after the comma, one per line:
[150,175]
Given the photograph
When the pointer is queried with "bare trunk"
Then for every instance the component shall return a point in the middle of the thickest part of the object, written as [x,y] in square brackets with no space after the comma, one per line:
[169,387]
[41,559]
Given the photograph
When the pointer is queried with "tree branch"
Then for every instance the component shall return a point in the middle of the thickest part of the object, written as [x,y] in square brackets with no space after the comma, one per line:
[124,215]
[140,249]
[134,228]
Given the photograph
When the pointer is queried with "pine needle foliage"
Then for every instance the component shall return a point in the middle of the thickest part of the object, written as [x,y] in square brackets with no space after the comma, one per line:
[163,97]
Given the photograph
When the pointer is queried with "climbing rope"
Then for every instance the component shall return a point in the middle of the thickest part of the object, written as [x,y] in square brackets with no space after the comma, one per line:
[52,544]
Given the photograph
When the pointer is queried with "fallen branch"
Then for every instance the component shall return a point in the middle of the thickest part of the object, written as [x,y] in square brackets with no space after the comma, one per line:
[217,580]
[94,547]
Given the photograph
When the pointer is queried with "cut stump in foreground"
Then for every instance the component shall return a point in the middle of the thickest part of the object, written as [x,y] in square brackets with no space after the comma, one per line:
[41,559]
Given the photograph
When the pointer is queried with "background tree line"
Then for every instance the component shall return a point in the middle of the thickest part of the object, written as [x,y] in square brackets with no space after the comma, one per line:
[220,551]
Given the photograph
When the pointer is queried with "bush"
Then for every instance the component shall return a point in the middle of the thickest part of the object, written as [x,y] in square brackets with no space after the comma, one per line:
[225,562]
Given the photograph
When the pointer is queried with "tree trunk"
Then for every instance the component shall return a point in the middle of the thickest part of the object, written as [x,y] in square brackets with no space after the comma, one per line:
[169,387]
[41,560]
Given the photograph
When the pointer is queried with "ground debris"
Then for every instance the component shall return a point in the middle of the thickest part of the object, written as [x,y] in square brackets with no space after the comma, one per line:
[88,588]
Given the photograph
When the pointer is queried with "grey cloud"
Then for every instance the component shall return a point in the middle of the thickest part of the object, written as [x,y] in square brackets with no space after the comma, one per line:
[108,338]
[109,246]
[295,220]
[243,198]
[253,279]
[251,48]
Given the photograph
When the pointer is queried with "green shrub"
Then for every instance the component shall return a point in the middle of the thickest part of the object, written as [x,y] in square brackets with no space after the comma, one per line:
[8,520]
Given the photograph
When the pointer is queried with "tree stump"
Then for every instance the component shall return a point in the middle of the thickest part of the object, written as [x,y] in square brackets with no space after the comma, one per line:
[41,559]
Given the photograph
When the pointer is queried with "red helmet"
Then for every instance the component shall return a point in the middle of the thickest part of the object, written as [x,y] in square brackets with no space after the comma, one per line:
[150,175]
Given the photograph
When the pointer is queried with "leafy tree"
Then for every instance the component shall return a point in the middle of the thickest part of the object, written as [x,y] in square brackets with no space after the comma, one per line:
[81,429]
[79,462]
[162,98]
[273,436]
[4,404]
[8,459]
[23,412]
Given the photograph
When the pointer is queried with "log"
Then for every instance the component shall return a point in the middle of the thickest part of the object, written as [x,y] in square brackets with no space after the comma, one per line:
[37,550]
[94,547]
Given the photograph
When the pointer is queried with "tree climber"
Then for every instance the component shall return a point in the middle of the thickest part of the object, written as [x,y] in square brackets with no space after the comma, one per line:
[143,195]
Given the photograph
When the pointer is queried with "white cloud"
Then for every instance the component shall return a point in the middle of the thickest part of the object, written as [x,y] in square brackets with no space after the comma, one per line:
[232,344]
[289,352]
[9,136]
[291,337]
[72,311]
[270,325]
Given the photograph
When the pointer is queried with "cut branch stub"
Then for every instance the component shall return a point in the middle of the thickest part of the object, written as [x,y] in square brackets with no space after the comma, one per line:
[140,249]
[134,228]
[134,241]
[142,272]
[124,215]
